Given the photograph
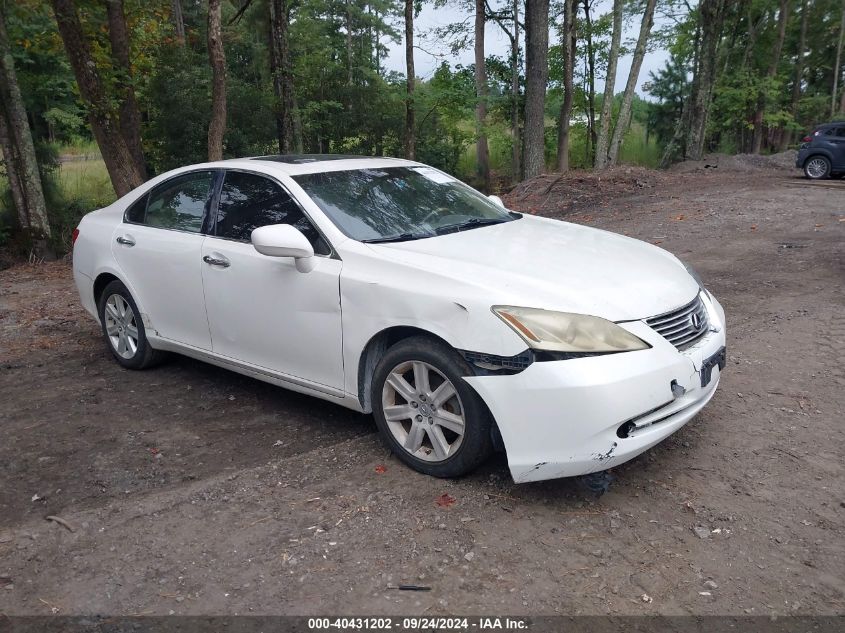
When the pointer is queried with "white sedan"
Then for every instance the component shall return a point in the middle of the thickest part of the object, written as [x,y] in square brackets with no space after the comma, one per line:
[390,287]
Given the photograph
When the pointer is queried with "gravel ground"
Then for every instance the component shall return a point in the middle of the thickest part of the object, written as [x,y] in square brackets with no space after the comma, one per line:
[191,490]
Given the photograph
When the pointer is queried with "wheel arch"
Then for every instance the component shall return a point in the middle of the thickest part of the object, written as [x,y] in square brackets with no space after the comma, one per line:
[818,151]
[376,348]
[100,283]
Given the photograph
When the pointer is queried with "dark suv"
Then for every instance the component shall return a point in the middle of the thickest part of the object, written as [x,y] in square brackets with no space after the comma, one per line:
[822,153]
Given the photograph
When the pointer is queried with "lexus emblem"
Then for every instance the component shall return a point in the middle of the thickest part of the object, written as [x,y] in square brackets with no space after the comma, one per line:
[695,321]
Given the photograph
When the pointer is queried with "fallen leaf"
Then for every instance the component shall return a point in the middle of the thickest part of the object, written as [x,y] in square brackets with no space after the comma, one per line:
[381,469]
[153,451]
[753,227]
[445,500]
[678,218]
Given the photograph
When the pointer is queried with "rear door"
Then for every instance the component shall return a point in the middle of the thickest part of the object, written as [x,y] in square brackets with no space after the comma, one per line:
[159,248]
[837,142]
[262,310]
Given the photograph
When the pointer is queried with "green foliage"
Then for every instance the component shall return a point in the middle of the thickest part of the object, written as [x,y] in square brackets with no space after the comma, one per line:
[44,75]
[344,100]
[671,87]
[179,102]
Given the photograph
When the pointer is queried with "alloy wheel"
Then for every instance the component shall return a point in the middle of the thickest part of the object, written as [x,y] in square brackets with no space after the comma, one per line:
[423,411]
[817,168]
[121,327]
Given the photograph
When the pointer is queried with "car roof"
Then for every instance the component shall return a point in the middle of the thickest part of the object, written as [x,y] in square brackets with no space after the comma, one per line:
[297,164]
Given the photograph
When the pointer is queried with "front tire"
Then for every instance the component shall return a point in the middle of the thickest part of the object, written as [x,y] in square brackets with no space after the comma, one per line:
[817,168]
[124,330]
[427,414]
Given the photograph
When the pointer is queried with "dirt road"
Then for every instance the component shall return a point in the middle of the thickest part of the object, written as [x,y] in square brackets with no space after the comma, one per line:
[192,490]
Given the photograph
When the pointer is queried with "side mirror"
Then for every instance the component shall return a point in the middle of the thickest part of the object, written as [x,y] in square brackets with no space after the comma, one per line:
[283,240]
[497,200]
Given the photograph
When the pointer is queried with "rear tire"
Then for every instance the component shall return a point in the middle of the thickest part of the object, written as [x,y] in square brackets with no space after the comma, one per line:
[123,328]
[427,414]
[817,167]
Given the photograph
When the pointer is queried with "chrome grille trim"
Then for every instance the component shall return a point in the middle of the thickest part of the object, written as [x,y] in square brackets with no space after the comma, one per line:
[677,326]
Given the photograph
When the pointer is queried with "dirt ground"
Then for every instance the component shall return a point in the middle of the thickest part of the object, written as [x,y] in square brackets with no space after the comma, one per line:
[192,490]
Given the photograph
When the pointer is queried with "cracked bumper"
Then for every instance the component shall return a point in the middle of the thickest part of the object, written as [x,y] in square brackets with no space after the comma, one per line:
[562,418]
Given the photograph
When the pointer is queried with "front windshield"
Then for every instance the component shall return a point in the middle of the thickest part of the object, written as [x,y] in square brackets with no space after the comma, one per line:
[399,203]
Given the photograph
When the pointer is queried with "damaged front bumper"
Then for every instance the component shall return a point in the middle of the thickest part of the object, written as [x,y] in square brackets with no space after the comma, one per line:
[572,417]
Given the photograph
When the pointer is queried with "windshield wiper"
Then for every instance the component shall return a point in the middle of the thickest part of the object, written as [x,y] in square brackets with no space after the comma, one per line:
[469,224]
[404,237]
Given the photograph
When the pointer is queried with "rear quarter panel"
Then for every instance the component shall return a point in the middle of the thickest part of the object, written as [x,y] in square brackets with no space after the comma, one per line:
[92,254]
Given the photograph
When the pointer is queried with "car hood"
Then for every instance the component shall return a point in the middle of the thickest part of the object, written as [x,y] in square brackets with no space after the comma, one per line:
[542,263]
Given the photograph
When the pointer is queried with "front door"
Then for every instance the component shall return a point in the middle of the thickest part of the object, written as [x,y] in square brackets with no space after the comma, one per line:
[262,310]
[159,249]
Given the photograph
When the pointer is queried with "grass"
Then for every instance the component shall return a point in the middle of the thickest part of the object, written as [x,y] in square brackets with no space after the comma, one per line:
[85,182]
[74,189]
[636,151]
[83,148]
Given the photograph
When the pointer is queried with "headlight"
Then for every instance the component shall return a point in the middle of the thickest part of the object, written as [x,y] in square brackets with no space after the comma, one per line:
[564,332]
[694,275]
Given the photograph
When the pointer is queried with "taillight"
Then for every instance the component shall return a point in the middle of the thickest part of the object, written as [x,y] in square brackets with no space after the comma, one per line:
[73,236]
[807,139]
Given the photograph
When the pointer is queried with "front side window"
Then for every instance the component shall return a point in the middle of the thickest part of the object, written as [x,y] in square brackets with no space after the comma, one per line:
[398,203]
[249,201]
[178,203]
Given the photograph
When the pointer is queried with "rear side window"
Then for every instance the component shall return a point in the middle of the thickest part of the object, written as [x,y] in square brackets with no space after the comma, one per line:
[178,204]
[840,131]
[249,201]
[135,213]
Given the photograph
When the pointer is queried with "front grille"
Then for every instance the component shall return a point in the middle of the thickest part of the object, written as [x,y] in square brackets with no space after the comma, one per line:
[684,326]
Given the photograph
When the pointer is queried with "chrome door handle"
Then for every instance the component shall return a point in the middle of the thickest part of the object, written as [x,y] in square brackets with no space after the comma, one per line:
[214,261]
[125,241]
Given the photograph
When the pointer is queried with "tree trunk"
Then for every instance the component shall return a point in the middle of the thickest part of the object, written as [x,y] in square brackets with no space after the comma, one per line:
[280,67]
[217,58]
[799,59]
[609,86]
[129,116]
[591,82]
[568,70]
[21,162]
[627,99]
[178,22]
[10,163]
[837,68]
[410,140]
[786,135]
[121,166]
[515,136]
[482,154]
[348,16]
[711,17]
[757,138]
[536,77]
